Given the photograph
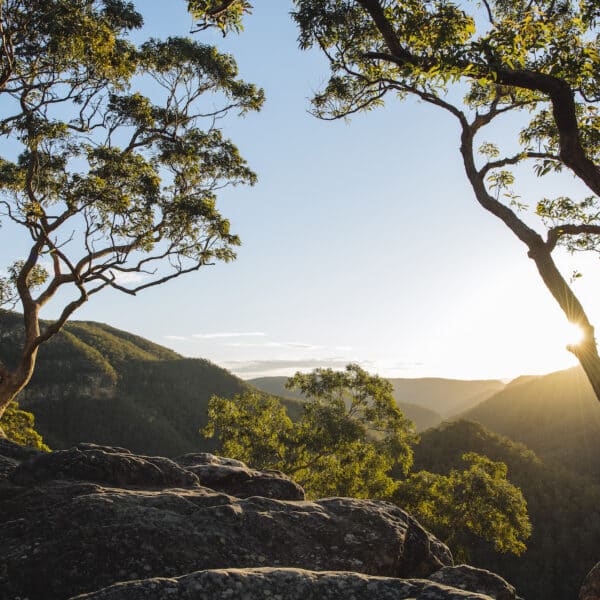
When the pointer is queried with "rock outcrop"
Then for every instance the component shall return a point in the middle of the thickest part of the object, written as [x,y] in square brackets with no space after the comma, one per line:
[233,477]
[105,522]
[281,584]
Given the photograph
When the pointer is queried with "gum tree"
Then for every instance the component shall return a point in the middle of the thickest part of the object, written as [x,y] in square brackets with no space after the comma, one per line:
[538,58]
[352,440]
[115,163]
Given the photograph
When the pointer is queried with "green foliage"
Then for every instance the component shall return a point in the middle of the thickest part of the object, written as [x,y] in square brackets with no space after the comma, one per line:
[348,438]
[351,439]
[477,501]
[19,427]
[562,507]
[115,161]
[96,383]
[252,427]
[226,15]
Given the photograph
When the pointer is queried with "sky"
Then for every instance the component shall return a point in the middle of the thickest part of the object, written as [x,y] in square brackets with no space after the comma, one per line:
[362,241]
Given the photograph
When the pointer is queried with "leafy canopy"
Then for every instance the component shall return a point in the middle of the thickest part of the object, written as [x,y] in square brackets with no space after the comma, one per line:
[478,501]
[114,158]
[352,440]
[19,427]
[349,437]
[537,59]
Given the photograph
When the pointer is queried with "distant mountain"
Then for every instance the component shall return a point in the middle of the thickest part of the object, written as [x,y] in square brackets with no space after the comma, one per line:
[423,418]
[447,397]
[97,383]
[556,415]
[563,508]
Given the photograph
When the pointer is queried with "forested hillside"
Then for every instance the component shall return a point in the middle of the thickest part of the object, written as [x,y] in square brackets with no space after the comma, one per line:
[564,510]
[448,397]
[556,415]
[97,383]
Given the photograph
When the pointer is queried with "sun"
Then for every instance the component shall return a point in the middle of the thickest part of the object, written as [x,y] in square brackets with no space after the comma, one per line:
[571,334]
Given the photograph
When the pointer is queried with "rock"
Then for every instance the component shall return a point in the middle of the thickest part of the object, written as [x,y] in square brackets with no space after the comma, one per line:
[235,478]
[7,466]
[590,590]
[280,584]
[11,450]
[109,449]
[206,458]
[481,581]
[96,464]
[108,524]
[63,537]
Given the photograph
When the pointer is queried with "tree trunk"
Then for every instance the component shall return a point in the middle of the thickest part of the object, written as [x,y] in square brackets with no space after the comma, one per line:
[541,253]
[14,382]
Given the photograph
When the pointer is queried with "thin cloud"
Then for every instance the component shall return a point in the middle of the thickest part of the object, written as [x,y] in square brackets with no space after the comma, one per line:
[272,366]
[175,338]
[228,334]
[292,345]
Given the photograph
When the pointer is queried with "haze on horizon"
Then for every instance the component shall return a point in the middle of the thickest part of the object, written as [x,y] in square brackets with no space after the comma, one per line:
[362,242]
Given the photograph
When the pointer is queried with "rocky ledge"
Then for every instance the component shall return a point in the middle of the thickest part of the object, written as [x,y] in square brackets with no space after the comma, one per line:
[109,524]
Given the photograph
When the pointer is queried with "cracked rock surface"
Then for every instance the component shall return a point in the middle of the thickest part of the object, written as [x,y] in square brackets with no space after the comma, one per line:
[87,519]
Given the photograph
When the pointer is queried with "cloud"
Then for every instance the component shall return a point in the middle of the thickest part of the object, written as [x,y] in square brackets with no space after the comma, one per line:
[252,367]
[123,278]
[175,338]
[292,345]
[264,368]
[228,334]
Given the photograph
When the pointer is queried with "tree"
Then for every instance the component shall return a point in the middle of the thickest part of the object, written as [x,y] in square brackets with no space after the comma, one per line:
[538,58]
[352,440]
[115,188]
[350,436]
[478,501]
[19,427]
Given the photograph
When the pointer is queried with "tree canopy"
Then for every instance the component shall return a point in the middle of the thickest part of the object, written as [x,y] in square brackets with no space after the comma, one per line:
[352,440]
[118,158]
[349,437]
[479,61]
[19,427]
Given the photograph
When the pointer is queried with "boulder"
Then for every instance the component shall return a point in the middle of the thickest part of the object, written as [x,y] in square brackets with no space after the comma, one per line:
[235,478]
[102,521]
[97,464]
[64,537]
[280,584]
[470,578]
[590,590]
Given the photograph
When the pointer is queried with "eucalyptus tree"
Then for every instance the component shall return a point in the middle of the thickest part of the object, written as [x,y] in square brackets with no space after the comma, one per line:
[112,159]
[352,440]
[538,58]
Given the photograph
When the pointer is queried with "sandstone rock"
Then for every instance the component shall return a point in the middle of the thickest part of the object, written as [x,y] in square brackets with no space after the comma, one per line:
[235,478]
[62,538]
[590,590]
[96,464]
[206,458]
[469,578]
[280,584]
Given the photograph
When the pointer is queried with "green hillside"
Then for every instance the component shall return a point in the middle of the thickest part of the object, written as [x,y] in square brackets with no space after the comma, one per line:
[564,510]
[447,397]
[97,383]
[423,418]
[556,415]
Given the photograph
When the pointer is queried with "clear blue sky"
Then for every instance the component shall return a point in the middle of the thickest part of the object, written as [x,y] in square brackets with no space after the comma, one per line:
[361,242]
